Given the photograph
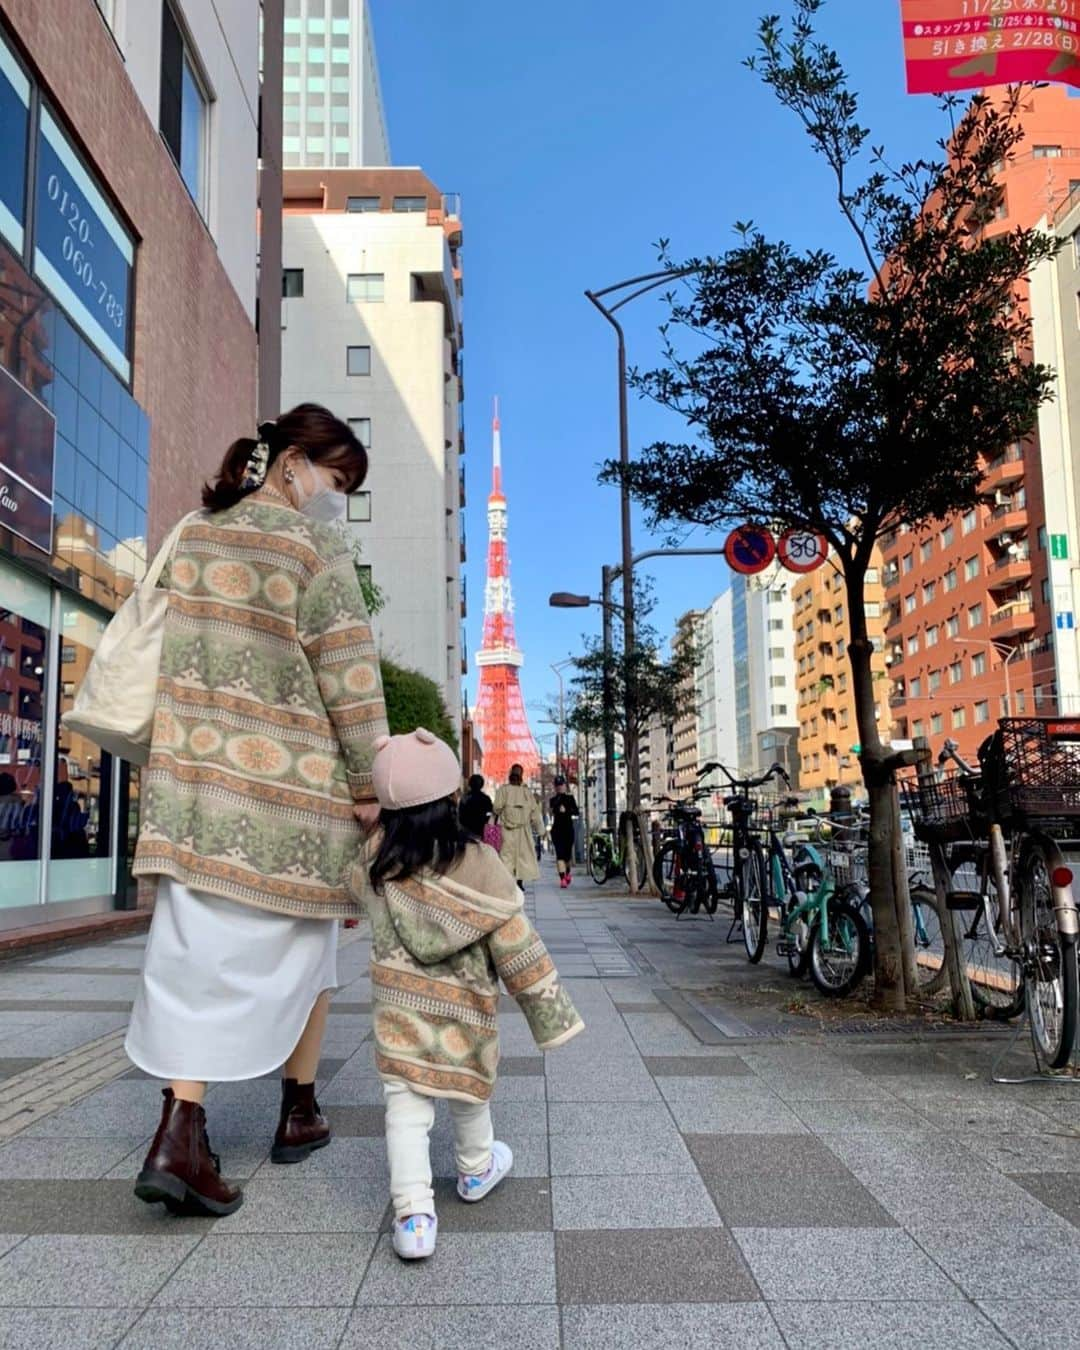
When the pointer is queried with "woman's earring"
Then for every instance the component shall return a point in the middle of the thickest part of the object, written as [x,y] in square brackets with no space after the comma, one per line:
[288,474]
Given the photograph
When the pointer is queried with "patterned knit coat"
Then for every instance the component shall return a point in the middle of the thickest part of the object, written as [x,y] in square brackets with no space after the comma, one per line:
[269,698]
[439,946]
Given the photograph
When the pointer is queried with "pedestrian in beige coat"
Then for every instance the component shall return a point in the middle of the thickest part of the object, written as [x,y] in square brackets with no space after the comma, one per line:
[518,812]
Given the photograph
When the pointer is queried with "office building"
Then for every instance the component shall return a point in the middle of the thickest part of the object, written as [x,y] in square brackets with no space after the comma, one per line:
[371,327]
[129,185]
[333,113]
[763,638]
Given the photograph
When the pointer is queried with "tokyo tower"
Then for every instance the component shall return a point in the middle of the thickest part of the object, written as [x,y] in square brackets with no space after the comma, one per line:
[500,710]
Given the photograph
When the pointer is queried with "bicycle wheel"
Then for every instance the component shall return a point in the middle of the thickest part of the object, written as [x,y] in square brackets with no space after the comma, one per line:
[754,903]
[712,889]
[1050,986]
[926,921]
[997,981]
[599,859]
[668,875]
[837,966]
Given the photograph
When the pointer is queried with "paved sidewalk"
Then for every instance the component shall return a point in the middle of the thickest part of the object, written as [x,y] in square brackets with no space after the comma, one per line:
[689,1171]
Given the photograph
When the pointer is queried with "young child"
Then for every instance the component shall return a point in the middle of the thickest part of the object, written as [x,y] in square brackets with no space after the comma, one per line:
[447,921]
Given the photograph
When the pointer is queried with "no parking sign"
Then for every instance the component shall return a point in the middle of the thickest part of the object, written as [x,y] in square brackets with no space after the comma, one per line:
[749,549]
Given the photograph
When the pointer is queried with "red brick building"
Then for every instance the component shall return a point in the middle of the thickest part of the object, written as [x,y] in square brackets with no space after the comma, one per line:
[968,617]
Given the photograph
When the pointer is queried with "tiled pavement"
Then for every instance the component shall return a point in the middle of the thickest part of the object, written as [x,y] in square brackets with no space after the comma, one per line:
[679,1179]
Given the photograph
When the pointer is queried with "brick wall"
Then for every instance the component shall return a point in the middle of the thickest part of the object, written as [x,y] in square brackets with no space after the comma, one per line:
[195,349]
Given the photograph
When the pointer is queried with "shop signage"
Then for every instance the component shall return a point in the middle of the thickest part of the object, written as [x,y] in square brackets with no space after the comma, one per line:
[82,251]
[968,44]
[749,549]
[15,119]
[27,442]
[1059,546]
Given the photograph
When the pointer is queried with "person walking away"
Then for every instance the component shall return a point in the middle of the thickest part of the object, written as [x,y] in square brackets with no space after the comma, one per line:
[269,701]
[475,808]
[447,922]
[564,810]
[518,812]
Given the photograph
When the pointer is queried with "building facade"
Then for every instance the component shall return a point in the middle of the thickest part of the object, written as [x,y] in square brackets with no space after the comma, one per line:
[332,104]
[828,732]
[763,657]
[717,719]
[128,362]
[371,327]
[970,619]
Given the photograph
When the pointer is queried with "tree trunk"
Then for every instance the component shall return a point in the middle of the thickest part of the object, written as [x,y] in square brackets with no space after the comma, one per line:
[880,786]
[904,920]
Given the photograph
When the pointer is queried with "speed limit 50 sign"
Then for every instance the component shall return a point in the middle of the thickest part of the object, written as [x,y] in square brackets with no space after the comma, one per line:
[802,550]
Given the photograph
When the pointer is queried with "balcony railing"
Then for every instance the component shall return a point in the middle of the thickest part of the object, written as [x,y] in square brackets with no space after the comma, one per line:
[1019,610]
[1001,565]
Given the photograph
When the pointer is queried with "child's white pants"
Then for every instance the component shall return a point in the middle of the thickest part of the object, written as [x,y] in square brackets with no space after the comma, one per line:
[409,1118]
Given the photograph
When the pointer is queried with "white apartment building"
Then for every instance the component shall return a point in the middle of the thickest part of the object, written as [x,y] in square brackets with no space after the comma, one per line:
[763,646]
[1055,310]
[372,329]
[333,112]
[715,678]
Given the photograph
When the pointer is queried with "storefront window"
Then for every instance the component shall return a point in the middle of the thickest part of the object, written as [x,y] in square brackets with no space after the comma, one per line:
[82,835]
[24,624]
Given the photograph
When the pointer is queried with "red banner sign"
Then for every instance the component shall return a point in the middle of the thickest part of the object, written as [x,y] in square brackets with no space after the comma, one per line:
[966,44]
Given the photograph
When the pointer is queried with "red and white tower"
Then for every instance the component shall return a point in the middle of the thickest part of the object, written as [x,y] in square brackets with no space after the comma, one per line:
[501,723]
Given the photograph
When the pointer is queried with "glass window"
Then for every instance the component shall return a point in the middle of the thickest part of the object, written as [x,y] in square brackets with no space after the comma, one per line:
[341,25]
[776,625]
[316,113]
[913,644]
[948,534]
[340,84]
[183,111]
[907,562]
[978,664]
[971,569]
[970,520]
[316,84]
[873,576]
[1046,151]
[916,687]
[340,115]
[982,711]
[952,626]
[316,25]
[949,580]
[873,611]
[363,286]
[292,283]
[932,635]
[359,506]
[316,56]
[15,119]
[928,592]
[358,360]
[959,718]
[410,203]
[362,204]
[956,672]
[937,724]
[293,26]
[25,603]
[909,603]
[81,847]
[291,84]
[975,616]
[361,429]
[926,550]
[339,56]
[935,681]
[316,145]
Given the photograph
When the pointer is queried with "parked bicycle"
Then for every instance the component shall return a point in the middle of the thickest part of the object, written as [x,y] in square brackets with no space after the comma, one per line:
[607,856]
[821,930]
[683,867]
[1015,827]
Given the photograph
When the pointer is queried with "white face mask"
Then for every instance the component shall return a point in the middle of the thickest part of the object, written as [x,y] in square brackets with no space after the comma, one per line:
[322,503]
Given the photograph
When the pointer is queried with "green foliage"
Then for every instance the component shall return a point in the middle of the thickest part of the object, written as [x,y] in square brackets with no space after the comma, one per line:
[413,700]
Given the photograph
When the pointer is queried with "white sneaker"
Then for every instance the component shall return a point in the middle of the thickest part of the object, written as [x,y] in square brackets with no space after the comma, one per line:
[472,1189]
[414,1236]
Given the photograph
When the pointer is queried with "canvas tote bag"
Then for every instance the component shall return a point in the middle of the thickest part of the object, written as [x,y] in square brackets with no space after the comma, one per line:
[114,707]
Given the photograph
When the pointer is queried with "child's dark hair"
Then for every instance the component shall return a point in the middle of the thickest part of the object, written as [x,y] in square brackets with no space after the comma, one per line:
[416,837]
[324,438]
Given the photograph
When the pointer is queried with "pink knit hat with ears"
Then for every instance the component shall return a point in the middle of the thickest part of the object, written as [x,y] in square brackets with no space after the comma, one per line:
[413,769]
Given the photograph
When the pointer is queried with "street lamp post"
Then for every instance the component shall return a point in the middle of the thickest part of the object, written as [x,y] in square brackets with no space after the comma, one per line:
[1001,648]
[560,749]
[637,286]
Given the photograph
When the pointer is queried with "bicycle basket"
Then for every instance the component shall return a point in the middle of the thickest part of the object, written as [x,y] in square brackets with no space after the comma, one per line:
[945,810]
[1034,763]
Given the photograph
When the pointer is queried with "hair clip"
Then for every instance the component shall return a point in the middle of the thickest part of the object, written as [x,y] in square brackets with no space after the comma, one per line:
[255,469]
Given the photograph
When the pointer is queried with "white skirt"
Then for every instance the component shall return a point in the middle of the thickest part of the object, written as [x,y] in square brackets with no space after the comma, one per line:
[226,989]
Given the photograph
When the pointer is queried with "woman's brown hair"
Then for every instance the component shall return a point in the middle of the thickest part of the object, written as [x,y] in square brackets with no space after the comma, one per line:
[324,438]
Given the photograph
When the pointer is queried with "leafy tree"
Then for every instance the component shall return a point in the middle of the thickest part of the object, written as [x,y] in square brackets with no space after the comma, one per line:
[413,700]
[853,400]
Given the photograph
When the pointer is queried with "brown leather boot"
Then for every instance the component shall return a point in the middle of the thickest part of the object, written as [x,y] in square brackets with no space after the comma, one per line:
[180,1171]
[302,1126]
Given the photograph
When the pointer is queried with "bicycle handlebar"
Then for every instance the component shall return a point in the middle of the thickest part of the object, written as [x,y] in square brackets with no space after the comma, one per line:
[950,752]
[744,784]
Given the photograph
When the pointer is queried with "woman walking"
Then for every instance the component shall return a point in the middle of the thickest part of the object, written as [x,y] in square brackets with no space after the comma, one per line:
[564,810]
[518,812]
[259,783]
[475,808]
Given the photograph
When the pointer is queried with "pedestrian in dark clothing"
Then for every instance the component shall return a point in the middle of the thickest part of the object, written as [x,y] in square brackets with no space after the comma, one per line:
[475,808]
[563,810]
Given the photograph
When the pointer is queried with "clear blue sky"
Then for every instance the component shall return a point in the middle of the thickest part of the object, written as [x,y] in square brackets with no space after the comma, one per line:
[578,134]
